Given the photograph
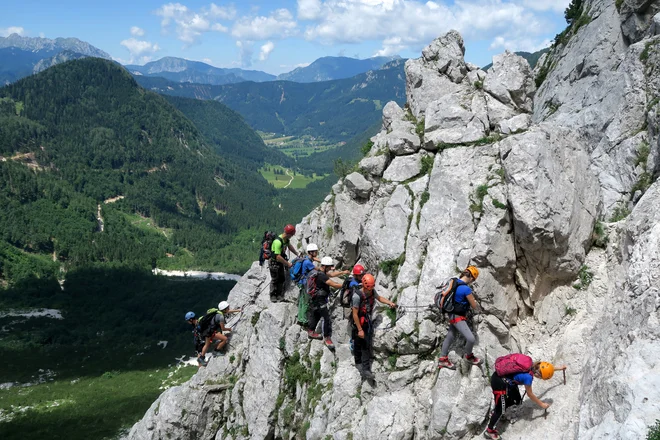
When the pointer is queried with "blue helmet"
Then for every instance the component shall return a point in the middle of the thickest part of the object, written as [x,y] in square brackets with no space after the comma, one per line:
[190,315]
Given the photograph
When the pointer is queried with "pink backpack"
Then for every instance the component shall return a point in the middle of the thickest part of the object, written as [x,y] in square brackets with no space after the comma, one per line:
[512,364]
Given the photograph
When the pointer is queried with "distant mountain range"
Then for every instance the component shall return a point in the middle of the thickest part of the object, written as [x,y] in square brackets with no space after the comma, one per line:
[181,70]
[20,56]
[329,68]
[335,110]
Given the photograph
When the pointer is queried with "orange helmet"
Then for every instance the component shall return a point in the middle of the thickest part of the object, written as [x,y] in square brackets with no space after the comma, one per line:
[546,369]
[474,272]
[368,281]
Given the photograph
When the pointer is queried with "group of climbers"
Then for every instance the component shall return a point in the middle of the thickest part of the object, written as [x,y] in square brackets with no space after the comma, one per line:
[455,298]
[210,330]
[357,292]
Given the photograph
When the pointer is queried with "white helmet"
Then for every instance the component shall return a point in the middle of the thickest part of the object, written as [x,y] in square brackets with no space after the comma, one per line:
[327,261]
[223,305]
[312,247]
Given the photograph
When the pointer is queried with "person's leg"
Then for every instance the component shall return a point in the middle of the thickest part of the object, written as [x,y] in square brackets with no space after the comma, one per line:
[327,322]
[467,334]
[280,282]
[449,339]
[273,280]
[303,305]
[314,317]
[223,340]
[499,392]
[357,347]
[367,352]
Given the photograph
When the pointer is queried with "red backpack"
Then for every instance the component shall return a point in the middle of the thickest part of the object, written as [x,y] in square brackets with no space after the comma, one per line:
[512,364]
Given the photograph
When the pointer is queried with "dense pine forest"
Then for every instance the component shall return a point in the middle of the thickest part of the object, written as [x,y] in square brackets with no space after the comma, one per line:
[180,192]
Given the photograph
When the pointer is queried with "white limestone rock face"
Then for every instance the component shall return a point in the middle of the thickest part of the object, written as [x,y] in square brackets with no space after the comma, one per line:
[403,168]
[554,201]
[375,165]
[440,71]
[510,81]
[515,124]
[453,119]
[522,210]
[358,186]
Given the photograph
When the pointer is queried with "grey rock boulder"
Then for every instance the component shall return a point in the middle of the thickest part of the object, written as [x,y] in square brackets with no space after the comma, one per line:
[358,186]
[511,82]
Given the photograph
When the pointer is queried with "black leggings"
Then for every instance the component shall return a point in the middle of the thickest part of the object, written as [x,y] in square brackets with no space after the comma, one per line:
[318,312]
[362,346]
[505,395]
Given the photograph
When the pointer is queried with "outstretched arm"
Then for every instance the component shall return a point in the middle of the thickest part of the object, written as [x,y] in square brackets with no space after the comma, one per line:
[385,301]
[293,250]
[535,399]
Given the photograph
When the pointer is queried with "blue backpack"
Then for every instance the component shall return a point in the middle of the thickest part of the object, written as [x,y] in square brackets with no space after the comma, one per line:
[296,272]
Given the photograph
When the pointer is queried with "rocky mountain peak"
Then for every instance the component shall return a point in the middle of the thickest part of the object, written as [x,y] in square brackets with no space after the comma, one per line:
[546,180]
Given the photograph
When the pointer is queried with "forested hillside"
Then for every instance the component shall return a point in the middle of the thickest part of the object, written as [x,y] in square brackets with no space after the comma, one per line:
[229,133]
[334,110]
[84,133]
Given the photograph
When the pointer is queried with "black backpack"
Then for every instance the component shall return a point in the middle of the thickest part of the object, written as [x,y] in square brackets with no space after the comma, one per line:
[266,252]
[346,297]
[445,298]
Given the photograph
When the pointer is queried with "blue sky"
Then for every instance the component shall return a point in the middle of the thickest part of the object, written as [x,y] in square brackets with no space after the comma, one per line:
[278,35]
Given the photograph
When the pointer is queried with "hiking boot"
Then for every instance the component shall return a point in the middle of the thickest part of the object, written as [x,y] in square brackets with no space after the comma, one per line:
[329,344]
[444,362]
[311,334]
[201,361]
[367,374]
[492,434]
[472,359]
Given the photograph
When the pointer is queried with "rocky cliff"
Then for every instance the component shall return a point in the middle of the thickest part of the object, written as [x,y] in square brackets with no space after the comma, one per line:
[547,181]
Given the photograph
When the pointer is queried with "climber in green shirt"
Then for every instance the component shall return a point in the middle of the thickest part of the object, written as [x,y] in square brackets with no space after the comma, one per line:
[278,262]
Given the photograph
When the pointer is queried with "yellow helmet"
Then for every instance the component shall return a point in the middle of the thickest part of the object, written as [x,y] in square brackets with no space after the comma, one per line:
[473,271]
[546,369]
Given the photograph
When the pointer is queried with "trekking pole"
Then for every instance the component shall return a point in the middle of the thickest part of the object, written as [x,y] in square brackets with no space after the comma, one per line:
[564,371]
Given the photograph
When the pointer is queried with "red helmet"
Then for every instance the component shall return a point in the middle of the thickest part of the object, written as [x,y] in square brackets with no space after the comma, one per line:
[368,281]
[290,230]
[358,269]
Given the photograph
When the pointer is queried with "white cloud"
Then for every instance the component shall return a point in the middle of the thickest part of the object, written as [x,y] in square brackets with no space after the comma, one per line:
[5,32]
[222,12]
[137,32]
[245,53]
[279,24]
[547,5]
[266,49]
[309,9]
[411,24]
[42,35]
[207,60]
[190,25]
[140,51]
[519,44]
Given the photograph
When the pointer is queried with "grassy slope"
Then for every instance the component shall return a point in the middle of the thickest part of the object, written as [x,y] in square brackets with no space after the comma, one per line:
[104,353]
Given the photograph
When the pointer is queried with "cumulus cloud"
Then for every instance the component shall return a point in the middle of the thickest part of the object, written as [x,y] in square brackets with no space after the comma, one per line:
[190,25]
[137,32]
[279,24]
[5,32]
[266,49]
[245,51]
[411,24]
[140,51]
[547,5]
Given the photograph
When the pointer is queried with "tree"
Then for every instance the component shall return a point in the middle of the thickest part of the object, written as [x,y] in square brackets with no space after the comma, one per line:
[574,11]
